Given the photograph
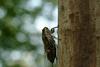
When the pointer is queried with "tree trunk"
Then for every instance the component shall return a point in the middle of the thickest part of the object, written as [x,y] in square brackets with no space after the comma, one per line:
[77,40]
[98,32]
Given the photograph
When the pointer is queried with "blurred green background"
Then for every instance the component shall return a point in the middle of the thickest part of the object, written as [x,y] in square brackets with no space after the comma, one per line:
[21,22]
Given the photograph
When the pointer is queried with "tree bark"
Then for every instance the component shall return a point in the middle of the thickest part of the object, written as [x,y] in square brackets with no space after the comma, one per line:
[77,40]
[98,33]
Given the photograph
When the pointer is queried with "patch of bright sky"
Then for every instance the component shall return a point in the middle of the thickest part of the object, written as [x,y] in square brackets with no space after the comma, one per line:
[5,55]
[29,59]
[42,22]
[34,39]
[31,4]
[15,55]
[21,37]
[47,9]
[28,24]
[1,65]
[55,14]
[2,12]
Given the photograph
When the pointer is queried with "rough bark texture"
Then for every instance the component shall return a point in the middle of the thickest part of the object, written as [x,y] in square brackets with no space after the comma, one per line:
[98,51]
[77,40]
[98,32]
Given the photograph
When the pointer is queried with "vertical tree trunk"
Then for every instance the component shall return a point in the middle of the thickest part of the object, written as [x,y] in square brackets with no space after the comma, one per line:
[98,32]
[77,40]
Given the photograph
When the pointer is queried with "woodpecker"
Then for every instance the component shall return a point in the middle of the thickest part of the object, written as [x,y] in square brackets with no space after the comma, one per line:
[49,44]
